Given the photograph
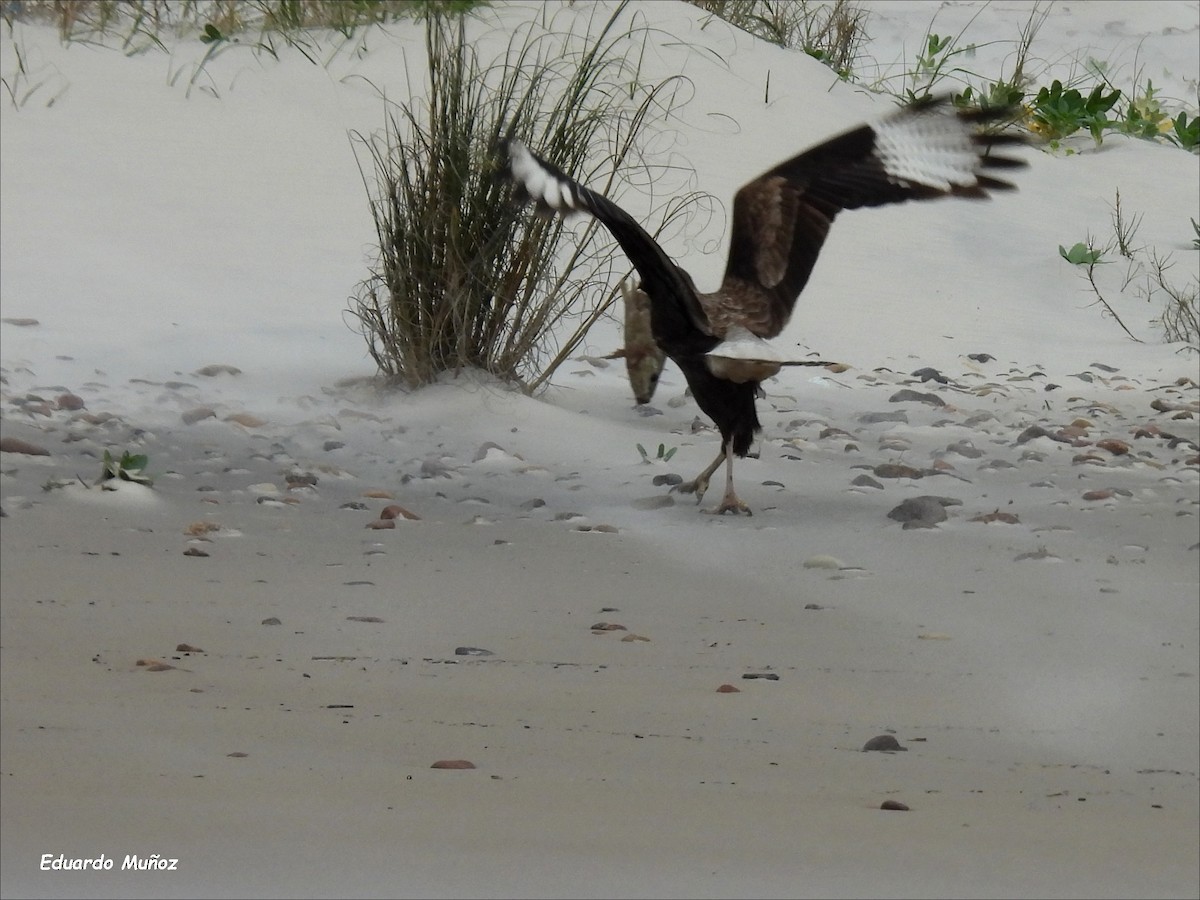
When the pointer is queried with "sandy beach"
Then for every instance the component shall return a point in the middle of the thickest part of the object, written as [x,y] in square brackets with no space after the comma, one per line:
[248,672]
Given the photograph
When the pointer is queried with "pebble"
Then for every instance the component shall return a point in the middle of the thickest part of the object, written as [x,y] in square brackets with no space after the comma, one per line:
[271,620]
[198,414]
[897,470]
[919,512]
[453,764]
[472,651]
[728,689]
[894,804]
[219,369]
[930,374]
[16,445]
[885,743]
[906,394]
[866,481]
[396,511]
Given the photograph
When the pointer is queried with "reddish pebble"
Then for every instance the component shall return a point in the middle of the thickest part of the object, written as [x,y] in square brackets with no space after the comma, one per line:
[70,401]
[1113,446]
[453,764]
[1097,495]
[16,445]
[894,804]
[396,511]
[728,689]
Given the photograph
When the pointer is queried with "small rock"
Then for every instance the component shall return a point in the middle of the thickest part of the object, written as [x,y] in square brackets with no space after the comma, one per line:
[187,648]
[211,371]
[907,395]
[70,402]
[195,551]
[371,619]
[894,804]
[885,743]
[921,512]
[930,374]
[16,445]
[766,676]
[866,481]
[728,689]
[453,764]
[192,416]
[896,470]
[271,620]
[472,651]
[1114,446]
[396,511]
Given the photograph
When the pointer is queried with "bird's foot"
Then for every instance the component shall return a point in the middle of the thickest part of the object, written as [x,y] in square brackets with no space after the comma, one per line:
[697,486]
[731,503]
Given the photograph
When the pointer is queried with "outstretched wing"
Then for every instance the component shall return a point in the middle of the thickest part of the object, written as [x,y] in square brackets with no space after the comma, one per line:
[780,219]
[677,307]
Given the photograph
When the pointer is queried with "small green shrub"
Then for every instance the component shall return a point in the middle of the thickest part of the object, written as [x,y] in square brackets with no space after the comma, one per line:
[130,467]
[1058,111]
[1081,254]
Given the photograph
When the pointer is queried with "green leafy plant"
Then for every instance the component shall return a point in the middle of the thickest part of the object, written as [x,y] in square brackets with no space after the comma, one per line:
[1058,111]
[664,455]
[1185,132]
[1081,254]
[1144,116]
[129,467]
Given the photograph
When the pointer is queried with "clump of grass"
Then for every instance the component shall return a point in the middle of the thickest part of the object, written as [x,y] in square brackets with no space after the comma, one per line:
[465,277]
[832,32]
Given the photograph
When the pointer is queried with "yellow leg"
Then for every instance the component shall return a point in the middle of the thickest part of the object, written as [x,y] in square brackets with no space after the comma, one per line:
[731,502]
[699,484]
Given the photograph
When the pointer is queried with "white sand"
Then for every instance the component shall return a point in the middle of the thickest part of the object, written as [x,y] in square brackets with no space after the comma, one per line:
[1041,674]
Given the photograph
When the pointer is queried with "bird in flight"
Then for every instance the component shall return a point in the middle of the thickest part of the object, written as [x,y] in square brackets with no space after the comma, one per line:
[780,220]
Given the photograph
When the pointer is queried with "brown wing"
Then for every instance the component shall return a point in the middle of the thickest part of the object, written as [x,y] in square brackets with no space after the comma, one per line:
[781,219]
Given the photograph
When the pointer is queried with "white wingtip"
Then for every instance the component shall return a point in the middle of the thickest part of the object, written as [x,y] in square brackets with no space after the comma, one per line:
[542,186]
[933,149]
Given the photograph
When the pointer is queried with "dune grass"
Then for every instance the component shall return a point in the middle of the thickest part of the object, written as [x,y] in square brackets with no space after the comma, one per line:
[466,278]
